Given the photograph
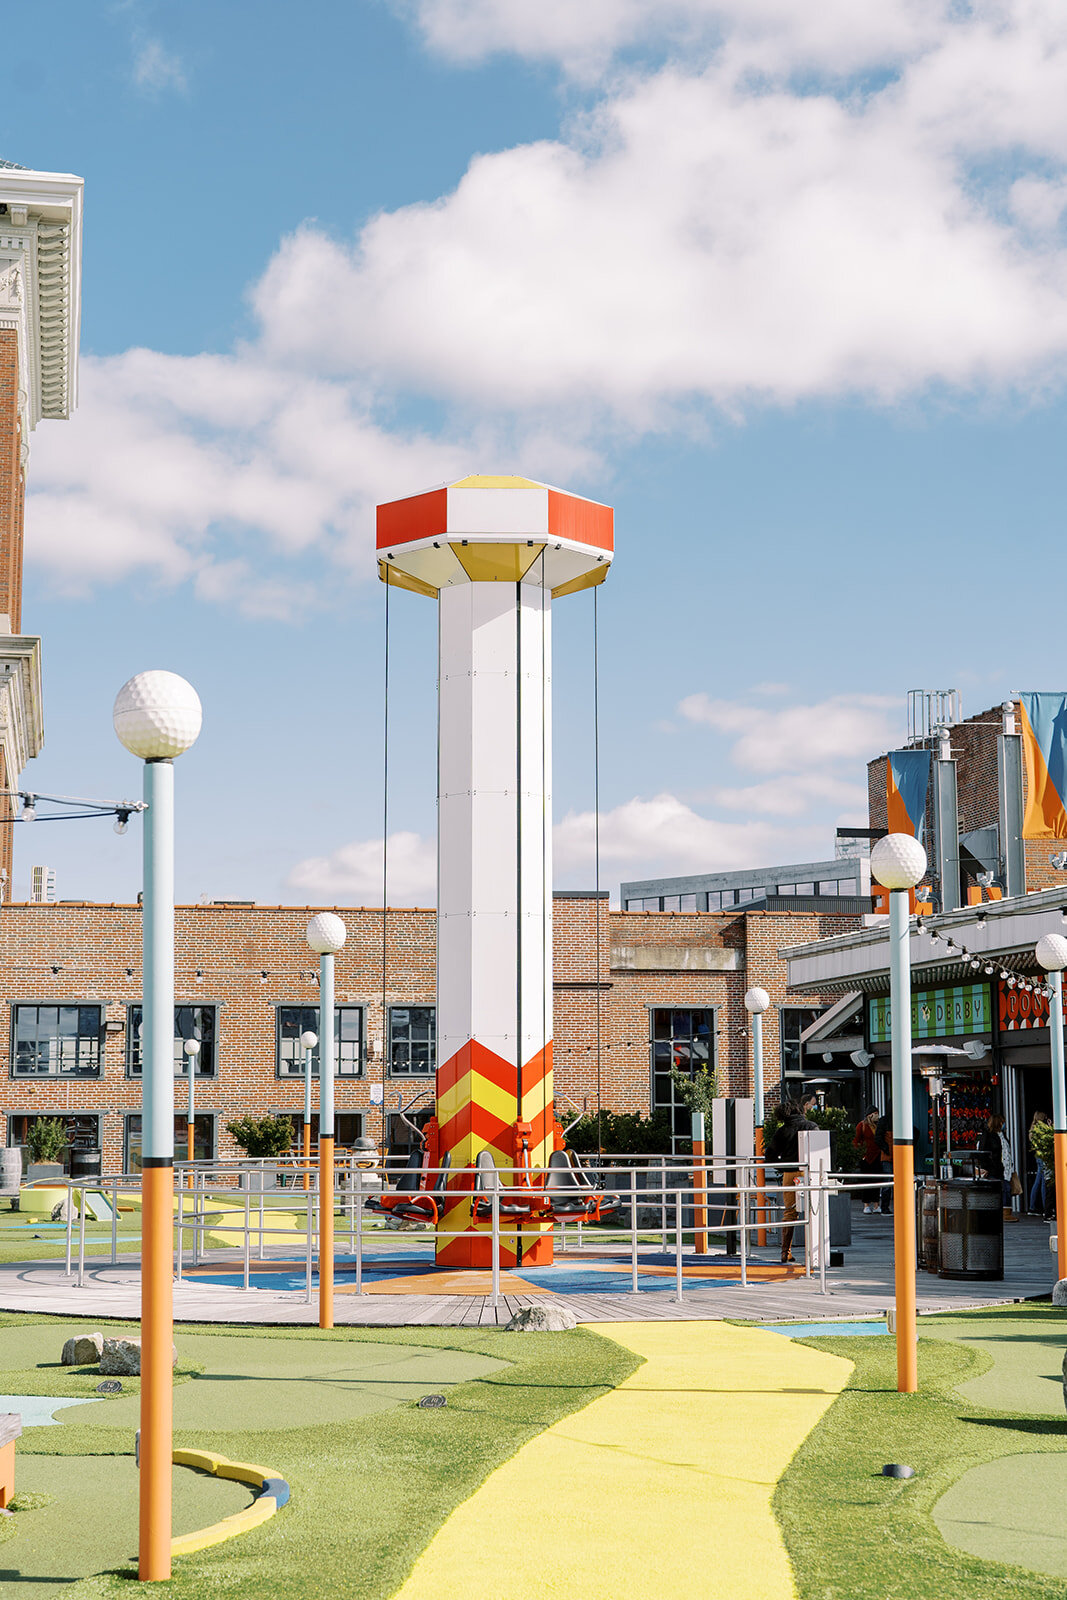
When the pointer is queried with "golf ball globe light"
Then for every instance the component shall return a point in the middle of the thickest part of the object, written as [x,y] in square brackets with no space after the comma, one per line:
[898,861]
[157,715]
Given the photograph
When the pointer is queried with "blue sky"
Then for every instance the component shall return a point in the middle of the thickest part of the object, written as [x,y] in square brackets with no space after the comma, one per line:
[788,288]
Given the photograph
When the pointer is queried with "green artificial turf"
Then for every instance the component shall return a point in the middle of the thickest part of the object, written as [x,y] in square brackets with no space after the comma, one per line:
[1025,1344]
[368,1492]
[36,1544]
[855,1535]
[1010,1510]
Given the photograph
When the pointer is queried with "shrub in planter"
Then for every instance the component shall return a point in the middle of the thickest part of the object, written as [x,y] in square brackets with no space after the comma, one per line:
[262,1137]
[46,1141]
[621,1133]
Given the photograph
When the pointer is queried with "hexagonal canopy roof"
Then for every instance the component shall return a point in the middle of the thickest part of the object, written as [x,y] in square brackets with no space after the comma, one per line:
[486,529]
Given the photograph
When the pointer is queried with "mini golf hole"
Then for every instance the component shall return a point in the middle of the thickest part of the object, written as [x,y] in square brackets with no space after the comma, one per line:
[894,1469]
[429,1401]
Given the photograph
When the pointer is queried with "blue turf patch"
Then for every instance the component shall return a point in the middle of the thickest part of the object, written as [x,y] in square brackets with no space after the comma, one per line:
[826,1330]
[590,1281]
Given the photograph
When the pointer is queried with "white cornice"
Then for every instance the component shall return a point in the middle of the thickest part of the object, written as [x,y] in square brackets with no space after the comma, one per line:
[21,702]
[41,236]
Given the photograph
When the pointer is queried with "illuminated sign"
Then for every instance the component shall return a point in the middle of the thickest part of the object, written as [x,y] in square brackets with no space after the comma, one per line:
[935,1013]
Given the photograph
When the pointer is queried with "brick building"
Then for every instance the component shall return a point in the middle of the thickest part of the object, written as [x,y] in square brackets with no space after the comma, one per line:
[669,987]
[40,277]
[976,746]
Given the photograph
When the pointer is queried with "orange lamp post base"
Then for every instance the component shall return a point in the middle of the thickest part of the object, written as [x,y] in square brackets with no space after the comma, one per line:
[325,1230]
[157,1372]
[904,1266]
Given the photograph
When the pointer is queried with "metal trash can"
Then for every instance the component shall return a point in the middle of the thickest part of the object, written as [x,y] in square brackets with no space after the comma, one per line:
[928,1230]
[839,1212]
[970,1229]
[86,1164]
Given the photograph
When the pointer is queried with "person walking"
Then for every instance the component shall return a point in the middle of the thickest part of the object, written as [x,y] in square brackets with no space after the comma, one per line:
[784,1153]
[883,1138]
[866,1142]
[1037,1204]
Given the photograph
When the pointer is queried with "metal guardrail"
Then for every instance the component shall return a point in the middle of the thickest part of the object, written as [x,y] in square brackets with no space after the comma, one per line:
[207,1193]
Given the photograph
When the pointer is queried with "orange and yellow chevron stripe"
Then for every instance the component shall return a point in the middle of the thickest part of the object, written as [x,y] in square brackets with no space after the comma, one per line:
[477,1109]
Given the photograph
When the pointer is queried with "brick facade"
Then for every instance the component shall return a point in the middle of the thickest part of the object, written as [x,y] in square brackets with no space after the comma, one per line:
[92,954]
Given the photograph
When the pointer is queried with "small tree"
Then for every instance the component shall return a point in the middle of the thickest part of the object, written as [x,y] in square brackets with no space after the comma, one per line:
[262,1137]
[46,1140]
[1043,1144]
[700,1091]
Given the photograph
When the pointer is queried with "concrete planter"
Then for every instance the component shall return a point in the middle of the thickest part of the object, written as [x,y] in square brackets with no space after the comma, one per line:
[43,1172]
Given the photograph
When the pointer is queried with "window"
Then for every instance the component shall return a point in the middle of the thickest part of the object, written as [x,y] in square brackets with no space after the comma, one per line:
[203,1139]
[745,895]
[682,1039]
[792,1020]
[56,1041]
[847,886]
[190,1022]
[412,1041]
[83,1133]
[347,1031]
[348,1127]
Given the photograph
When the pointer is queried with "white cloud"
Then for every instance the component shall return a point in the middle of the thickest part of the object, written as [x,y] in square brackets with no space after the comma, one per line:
[849,728]
[156,68]
[222,471]
[660,835]
[583,37]
[728,235]
[794,794]
[353,874]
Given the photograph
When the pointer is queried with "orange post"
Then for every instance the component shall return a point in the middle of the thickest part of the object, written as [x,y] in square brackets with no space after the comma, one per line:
[700,1188]
[325,1230]
[307,1157]
[904,1265]
[1060,1161]
[157,1372]
[190,1142]
[761,1205]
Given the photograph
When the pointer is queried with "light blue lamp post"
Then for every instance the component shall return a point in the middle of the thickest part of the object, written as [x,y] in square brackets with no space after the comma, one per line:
[1051,952]
[898,862]
[756,1003]
[326,935]
[157,716]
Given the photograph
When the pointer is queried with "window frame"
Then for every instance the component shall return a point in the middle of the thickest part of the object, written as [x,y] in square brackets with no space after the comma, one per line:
[346,1070]
[135,1008]
[407,1073]
[681,1126]
[77,1075]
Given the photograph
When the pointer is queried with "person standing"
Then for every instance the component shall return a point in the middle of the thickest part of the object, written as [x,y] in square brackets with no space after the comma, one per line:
[784,1153]
[866,1142]
[990,1157]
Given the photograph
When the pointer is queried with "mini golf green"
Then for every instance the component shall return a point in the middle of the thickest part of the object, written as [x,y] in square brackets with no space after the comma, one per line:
[1026,1347]
[37,1547]
[1010,1510]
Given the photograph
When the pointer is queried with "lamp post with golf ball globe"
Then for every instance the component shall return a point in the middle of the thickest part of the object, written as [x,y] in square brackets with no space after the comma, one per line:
[898,861]
[326,935]
[756,1003]
[157,716]
[1051,952]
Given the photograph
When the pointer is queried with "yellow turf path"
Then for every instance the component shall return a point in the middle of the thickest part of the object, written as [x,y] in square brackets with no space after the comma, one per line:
[661,1487]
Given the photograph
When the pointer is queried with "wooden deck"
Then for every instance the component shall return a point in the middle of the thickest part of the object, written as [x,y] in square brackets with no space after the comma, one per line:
[862,1288]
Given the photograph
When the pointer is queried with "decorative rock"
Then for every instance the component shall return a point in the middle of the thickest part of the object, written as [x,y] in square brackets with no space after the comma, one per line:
[84,1350]
[542,1319]
[62,1212]
[1059,1293]
[121,1358]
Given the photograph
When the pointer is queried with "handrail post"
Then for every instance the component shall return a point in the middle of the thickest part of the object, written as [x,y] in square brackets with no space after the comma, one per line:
[496,1244]
[633,1232]
[180,1218]
[309,1202]
[359,1230]
[824,1235]
[248,1233]
[115,1223]
[81,1237]
[70,1226]
[663,1198]
[742,1211]
[678,1245]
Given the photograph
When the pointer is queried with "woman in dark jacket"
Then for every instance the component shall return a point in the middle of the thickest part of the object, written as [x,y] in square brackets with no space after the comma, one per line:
[784,1153]
[988,1156]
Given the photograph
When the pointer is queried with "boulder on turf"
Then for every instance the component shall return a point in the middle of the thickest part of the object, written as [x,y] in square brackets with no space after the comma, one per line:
[84,1350]
[542,1319]
[64,1211]
[121,1358]
[1059,1293]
